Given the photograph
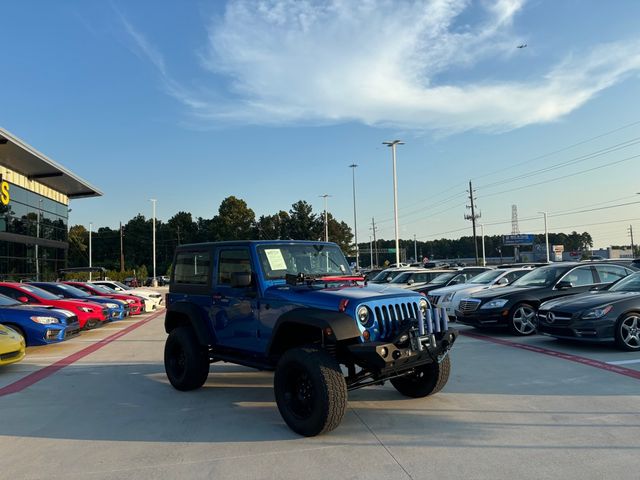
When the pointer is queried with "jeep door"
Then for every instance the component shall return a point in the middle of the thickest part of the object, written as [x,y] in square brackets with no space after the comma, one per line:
[233,310]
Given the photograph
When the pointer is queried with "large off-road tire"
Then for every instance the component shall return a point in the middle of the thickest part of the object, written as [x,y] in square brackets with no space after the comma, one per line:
[185,360]
[627,332]
[523,320]
[310,391]
[426,380]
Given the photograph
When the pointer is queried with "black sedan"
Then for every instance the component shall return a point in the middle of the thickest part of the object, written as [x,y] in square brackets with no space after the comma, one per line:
[516,306]
[602,316]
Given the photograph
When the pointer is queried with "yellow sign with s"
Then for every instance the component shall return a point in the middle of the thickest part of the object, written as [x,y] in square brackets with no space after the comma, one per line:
[4,192]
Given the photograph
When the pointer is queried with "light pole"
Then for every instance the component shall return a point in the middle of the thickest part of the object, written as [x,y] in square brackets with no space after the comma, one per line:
[355,218]
[484,258]
[90,229]
[415,248]
[371,250]
[37,240]
[395,194]
[326,218]
[154,282]
[546,233]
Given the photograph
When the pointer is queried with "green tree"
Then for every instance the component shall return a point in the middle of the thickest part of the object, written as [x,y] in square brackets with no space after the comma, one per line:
[235,220]
[273,227]
[303,223]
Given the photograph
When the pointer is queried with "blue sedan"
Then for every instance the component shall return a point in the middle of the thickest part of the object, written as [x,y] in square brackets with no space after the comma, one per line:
[39,325]
[118,309]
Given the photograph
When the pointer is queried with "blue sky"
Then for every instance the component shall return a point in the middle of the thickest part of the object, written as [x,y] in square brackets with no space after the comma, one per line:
[189,102]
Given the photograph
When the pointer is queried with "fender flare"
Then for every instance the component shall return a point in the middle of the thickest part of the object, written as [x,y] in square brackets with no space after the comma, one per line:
[195,318]
[343,327]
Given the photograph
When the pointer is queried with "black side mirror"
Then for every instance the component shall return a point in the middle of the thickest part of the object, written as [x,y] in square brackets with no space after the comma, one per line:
[563,285]
[240,280]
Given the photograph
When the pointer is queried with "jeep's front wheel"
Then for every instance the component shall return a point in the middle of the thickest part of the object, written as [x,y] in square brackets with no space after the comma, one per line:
[185,361]
[425,380]
[310,391]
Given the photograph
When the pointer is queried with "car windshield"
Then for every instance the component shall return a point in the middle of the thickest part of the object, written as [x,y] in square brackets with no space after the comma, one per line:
[627,284]
[7,302]
[541,277]
[443,277]
[39,292]
[402,277]
[76,292]
[486,278]
[102,289]
[278,260]
[119,284]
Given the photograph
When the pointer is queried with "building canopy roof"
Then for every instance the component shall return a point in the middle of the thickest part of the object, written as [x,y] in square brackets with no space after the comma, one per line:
[26,160]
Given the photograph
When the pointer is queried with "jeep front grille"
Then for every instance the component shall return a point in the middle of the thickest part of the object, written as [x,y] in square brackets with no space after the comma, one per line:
[468,305]
[391,317]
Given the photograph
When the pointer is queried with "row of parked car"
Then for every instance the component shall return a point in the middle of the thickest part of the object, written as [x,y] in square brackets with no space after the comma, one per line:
[40,313]
[586,301]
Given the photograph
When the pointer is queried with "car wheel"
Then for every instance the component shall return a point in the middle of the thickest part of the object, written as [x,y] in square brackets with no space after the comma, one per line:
[522,320]
[310,391]
[426,380]
[186,362]
[627,334]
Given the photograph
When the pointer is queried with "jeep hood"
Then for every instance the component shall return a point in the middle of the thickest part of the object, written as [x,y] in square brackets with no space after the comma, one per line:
[330,297]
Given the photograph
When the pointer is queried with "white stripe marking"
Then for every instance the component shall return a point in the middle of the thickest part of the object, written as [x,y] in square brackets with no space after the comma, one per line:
[624,362]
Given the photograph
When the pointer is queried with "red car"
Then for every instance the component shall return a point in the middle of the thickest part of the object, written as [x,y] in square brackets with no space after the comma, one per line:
[90,315]
[136,304]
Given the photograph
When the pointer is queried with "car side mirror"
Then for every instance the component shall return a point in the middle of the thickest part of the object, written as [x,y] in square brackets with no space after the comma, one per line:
[389,278]
[503,281]
[563,285]
[23,299]
[240,280]
[411,281]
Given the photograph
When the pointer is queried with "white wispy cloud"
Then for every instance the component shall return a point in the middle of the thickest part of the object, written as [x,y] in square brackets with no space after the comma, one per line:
[381,62]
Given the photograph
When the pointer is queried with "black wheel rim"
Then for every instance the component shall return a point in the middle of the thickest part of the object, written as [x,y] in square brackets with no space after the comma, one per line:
[177,361]
[298,393]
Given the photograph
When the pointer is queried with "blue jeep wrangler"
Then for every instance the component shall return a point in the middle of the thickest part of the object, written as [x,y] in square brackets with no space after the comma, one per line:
[295,307]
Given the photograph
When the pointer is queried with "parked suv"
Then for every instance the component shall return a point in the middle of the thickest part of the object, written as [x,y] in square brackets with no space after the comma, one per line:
[294,307]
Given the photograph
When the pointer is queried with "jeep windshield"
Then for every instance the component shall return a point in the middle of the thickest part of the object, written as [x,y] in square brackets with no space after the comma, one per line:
[278,260]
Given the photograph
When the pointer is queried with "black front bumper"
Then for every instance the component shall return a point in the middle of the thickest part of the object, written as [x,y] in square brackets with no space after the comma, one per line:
[389,358]
[479,318]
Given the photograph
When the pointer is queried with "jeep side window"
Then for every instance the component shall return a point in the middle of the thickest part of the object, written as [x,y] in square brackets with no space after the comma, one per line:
[232,261]
[192,268]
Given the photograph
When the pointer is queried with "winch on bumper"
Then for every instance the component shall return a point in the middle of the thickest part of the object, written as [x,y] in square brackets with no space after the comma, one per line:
[424,340]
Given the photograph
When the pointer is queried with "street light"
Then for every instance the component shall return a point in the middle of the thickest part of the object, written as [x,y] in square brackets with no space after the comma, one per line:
[355,218]
[546,233]
[326,218]
[395,194]
[154,282]
[90,229]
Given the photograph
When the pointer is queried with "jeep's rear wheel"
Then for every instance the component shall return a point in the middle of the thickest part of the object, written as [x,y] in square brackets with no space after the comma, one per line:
[185,361]
[425,380]
[310,391]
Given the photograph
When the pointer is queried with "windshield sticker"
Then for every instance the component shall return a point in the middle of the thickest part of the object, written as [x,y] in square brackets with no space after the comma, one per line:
[275,258]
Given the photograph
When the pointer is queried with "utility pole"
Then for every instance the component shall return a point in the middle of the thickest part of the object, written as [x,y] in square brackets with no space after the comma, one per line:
[154,282]
[371,251]
[393,145]
[633,247]
[121,249]
[326,218]
[473,217]
[355,218]
[375,242]
[90,228]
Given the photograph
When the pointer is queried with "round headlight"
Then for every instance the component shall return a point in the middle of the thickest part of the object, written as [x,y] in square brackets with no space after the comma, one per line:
[363,315]
[424,305]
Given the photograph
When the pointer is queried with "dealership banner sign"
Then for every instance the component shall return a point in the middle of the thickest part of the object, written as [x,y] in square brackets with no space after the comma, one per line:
[518,240]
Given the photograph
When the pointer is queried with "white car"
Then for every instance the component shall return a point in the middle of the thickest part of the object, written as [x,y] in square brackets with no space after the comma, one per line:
[412,279]
[152,299]
[449,297]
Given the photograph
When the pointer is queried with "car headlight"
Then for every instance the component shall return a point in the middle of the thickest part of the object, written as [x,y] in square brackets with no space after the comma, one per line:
[597,312]
[424,305]
[111,305]
[130,301]
[85,309]
[45,320]
[363,315]
[497,303]
[447,297]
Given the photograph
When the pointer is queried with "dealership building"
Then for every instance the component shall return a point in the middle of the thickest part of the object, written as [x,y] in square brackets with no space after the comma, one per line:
[34,209]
